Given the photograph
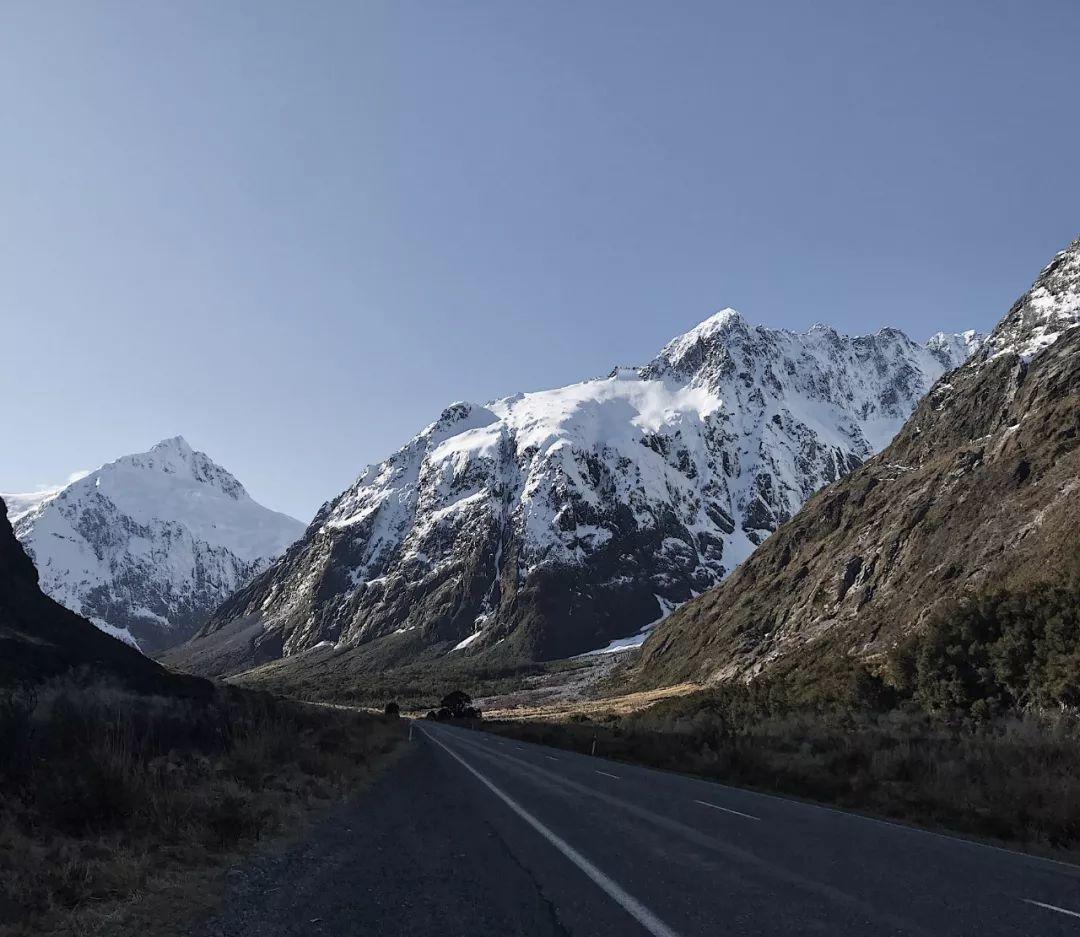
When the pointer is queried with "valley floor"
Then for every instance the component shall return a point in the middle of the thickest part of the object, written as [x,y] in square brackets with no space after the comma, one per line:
[559,694]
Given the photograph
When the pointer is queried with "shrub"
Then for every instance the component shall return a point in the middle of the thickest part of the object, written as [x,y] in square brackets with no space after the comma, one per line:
[997,652]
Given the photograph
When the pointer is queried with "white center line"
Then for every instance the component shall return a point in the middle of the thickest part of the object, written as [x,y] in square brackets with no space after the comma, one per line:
[626,901]
[606,775]
[1051,907]
[726,810]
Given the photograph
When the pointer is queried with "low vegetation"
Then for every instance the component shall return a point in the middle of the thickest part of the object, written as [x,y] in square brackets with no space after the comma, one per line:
[971,726]
[111,800]
[416,687]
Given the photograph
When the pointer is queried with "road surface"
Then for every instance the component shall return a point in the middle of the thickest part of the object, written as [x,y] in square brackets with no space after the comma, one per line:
[472,834]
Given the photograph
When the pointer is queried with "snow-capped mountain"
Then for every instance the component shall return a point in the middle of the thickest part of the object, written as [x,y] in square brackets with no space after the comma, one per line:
[147,546]
[980,489]
[549,524]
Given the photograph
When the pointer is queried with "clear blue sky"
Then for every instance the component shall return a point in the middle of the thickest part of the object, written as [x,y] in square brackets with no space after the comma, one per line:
[294,232]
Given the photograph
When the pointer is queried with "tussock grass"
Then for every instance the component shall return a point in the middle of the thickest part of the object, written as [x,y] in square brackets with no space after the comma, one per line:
[108,797]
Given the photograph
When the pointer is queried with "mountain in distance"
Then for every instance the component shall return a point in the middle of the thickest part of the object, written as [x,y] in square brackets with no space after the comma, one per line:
[981,488]
[147,546]
[39,638]
[549,524]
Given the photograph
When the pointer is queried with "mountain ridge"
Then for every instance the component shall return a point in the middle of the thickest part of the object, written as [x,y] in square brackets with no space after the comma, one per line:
[555,522]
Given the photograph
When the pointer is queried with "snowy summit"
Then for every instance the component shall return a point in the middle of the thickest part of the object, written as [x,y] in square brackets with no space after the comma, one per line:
[147,546]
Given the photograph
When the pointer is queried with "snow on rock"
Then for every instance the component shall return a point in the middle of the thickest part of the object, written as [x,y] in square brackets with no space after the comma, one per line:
[147,546]
[20,505]
[1039,317]
[556,522]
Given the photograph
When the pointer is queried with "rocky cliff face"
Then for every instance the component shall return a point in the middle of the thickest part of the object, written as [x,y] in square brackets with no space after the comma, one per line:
[147,546]
[548,524]
[982,485]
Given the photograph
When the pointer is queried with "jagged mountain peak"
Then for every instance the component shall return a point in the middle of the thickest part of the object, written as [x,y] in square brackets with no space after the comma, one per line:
[175,456]
[955,348]
[177,443]
[148,544]
[726,345]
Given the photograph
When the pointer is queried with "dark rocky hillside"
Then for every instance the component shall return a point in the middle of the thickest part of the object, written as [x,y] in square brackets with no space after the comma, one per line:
[980,489]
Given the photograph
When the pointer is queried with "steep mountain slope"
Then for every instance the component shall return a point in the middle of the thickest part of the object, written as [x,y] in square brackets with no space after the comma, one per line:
[548,524]
[147,546]
[981,486]
[40,638]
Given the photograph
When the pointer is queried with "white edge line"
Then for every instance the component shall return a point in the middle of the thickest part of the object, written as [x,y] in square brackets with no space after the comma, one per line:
[606,775]
[1051,907]
[737,813]
[628,902]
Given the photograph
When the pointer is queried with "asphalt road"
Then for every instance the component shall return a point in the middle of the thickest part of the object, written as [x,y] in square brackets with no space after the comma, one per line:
[472,834]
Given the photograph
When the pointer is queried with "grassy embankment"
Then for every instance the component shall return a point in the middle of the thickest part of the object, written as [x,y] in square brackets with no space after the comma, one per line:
[119,810]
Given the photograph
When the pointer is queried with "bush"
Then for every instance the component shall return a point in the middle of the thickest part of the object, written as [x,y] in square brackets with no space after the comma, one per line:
[392,710]
[999,652]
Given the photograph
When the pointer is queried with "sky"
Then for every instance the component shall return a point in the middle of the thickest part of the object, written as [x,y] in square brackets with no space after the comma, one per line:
[295,232]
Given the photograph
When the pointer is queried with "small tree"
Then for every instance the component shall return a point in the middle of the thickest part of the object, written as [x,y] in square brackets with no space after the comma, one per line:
[457,704]
[392,710]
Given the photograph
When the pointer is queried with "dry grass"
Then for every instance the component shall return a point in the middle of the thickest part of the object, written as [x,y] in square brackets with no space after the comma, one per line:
[114,803]
[564,709]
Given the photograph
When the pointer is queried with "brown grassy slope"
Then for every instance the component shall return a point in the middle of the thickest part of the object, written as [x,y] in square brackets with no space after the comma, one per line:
[982,486]
[120,811]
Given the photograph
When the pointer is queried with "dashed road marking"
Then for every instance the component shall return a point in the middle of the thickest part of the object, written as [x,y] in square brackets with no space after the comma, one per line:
[737,813]
[606,775]
[1051,907]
